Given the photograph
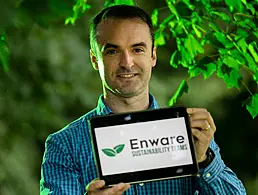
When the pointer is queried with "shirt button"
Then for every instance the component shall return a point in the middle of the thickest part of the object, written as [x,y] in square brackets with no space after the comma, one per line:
[208,175]
[141,184]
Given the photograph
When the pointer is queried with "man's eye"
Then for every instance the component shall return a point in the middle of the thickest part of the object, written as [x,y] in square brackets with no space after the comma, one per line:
[111,52]
[138,50]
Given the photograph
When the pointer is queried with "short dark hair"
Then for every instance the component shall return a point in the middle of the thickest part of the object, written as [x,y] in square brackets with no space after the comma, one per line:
[120,12]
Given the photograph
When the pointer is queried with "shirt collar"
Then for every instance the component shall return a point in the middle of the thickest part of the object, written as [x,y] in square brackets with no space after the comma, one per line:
[104,109]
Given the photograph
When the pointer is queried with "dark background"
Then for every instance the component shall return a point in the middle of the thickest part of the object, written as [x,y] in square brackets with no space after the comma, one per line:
[51,83]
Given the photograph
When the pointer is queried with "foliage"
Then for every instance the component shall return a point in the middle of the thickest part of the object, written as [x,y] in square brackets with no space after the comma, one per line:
[4,53]
[183,88]
[51,83]
[227,28]
[78,9]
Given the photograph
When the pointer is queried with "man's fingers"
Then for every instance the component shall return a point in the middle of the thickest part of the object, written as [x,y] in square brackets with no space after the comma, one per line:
[194,110]
[117,189]
[201,124]
[98,187]
[199,135]
[126,187]
[201,114]
[95,185]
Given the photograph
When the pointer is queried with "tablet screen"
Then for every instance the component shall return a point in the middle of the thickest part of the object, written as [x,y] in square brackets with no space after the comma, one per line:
[143,146]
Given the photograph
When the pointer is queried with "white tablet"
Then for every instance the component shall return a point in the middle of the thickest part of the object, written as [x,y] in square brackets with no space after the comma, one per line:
[143,146]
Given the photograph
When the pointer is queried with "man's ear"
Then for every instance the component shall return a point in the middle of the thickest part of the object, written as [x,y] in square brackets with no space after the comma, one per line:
[94,60]
[154,56]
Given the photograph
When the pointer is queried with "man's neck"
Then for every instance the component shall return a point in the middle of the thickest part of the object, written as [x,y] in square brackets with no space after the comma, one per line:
[120,104]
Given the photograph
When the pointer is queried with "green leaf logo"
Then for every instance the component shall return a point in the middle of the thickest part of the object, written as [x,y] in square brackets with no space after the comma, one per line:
[113,152]
[119,148]
[109,152]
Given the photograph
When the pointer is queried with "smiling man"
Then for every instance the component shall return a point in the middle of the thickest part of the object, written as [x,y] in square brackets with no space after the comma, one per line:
[124,54]
[123,51]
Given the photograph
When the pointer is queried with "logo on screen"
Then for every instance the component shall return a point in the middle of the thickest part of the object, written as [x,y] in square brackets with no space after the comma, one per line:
[112,152]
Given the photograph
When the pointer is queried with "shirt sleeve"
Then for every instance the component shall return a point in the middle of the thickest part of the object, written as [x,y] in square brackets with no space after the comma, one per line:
[59,175]
[217,178]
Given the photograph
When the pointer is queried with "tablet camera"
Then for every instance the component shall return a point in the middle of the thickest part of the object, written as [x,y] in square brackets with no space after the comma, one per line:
[180,170]
[128,118]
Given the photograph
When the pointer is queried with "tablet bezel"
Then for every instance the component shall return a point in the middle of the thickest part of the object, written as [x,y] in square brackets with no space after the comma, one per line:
[144,116]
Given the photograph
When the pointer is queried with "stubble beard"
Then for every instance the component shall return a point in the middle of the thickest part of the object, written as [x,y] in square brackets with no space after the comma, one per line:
[126,90]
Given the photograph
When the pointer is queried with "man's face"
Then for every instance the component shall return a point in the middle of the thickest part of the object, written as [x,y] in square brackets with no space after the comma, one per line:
[124,56]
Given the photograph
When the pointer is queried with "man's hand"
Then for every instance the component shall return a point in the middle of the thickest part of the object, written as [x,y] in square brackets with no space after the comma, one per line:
[97,187]
[203,129]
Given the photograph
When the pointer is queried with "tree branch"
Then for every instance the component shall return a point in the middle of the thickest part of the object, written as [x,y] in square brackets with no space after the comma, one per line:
[246,87]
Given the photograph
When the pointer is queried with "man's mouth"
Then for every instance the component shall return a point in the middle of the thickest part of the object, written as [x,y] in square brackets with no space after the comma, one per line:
[126,75]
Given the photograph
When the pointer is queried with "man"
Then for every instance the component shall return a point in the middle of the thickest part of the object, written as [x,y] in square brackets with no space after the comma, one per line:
[123,52]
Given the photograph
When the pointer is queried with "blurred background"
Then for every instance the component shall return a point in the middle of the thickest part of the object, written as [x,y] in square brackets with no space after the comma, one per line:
[51,83]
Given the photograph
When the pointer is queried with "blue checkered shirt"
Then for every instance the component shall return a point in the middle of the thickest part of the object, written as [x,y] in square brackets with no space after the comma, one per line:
[68,166]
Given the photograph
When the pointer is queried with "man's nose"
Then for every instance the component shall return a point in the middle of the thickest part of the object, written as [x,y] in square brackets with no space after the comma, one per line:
[126,59]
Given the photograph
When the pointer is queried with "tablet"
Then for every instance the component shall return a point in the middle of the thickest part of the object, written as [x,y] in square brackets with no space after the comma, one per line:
[143,146]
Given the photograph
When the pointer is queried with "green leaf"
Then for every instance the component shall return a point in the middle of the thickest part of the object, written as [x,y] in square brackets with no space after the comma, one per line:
[256,34]
[171,24]
[197,32]
[207,6]
[251,8]
[252,51]
[159,38]
[78,10]
[200,28]
[109,3]
[183,88]
[207,69]
[222,38]
[233,3]
[166,21]
[119,148]
[231,62]
[187,59]
[241,33]
[155,17]
[85,7]
[109,152]
[211,69]
[250,62]
[222,16]
[213,26]
[175,58]
[185,24]
[194,72]
[193,46]
[237,55]
[230,76]
[179,29]
[255,77]
[189,5]
[246,22]
[197,17]
[172,9]
[223,51]
[4,53]
[242,44]
[124,2]
[252,105]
